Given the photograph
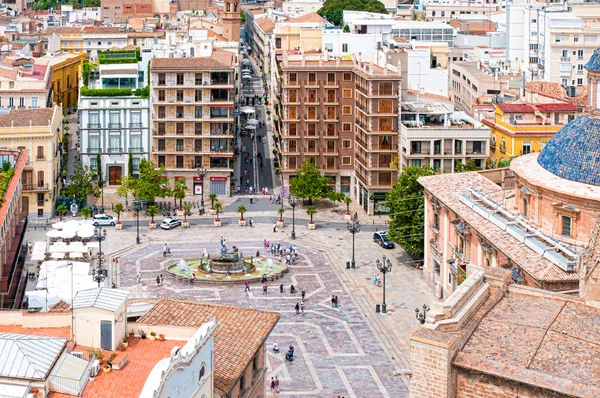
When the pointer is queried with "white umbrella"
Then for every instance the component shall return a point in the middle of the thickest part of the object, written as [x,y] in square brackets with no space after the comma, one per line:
[253,122]
[246,77]
[58,225]
[53,234]
[58,255]
[67,234]
[85,233]
[72,225]
[250,127]
[75,255]
[246,61]
[247,109]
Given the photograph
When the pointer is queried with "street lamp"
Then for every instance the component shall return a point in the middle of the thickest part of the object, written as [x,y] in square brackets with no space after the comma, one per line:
[137,206]
[201,174]
[100,273]
[421,316]
[384,267]
[293,201]
[354,228]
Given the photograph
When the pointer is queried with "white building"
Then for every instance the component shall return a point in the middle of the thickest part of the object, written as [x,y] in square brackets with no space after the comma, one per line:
[297,8]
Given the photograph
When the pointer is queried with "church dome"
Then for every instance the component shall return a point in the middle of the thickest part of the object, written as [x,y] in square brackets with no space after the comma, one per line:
[574,152]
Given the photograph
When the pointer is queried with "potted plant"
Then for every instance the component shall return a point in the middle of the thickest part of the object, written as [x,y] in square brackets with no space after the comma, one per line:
[142,334]
[212,197]
[186,223]
[242,220]
[113,355]
[152,336]
[280,222]
[217,208]
[311,211]
[106,368]
[348,215]
[99,355]
[85,212]
[125,342]
[119,209]
[62,209]
[91,352]
[152,210]
[161,337]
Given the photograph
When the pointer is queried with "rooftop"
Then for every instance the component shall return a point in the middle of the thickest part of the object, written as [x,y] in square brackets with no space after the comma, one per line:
[24,356]
[310,17]
[240,332]
[27,117]
[265,24]
[557,92]
[557,346]
[448,188]
[103,298]
[516,108]
[219,60]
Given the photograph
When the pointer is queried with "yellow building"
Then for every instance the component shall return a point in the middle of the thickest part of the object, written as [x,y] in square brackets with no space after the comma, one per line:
[66,69]
[37,130]
[519,129]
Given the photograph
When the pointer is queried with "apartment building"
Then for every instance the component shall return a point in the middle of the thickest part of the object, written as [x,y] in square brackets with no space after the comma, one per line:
[65,69]
[433,134]
[343,116]
[259,35]
[520,129]
[89,39]
[298,8]
[193,117]
[115,123]
[446,10]
[39,131]
[25,83]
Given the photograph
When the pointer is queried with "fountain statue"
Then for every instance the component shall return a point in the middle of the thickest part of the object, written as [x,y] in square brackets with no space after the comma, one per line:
[183,266]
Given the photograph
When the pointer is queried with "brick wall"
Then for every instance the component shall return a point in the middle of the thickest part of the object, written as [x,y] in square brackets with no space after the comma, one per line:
[476,385]
[431,377]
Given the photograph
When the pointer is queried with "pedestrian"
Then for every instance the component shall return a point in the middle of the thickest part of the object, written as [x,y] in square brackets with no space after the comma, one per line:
[272,385]
[287,259]
[257,253]
[114,286]
[332,301]
[251,198]
[238,189]
[297,308]
[158,281]
[281,288]
[30,247]
[169,248]
[375,280]
[139,276]
[265,288]
[276,385]
[265,243]
[274,227]
[162,279]
[250,222]
[337,302]
[303,294]
[302,308]
[165,250]
[247,289]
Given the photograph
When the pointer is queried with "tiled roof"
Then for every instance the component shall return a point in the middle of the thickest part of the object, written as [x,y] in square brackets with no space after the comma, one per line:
[556,91]
[594,62]
[556,107]
[449,187]
[61,306]
[265,24]
[556,346]
[220,59]
[310,17]
[22,117]
[573,153]
[516,108]
[240,333]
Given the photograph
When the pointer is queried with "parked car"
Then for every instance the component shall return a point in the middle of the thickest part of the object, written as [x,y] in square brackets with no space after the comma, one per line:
[381,238]
[170,223]
[104,219]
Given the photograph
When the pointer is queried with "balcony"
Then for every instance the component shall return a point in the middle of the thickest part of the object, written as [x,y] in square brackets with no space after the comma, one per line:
[162,83]
[492,144]
[136,149]
[28,186]
[135,125]
[361,124]
[94,125]
[311,150]
[311,83]
[332,84]
[565,59]
[330,152]
[362,107]
[179,148]
[94,150]
[115,150]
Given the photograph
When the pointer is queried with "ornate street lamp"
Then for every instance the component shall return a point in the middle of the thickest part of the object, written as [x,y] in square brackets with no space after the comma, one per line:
[137,206]
[201,174]
[421,316]
[100,273]
[384,267]
[293,201]
[354,228]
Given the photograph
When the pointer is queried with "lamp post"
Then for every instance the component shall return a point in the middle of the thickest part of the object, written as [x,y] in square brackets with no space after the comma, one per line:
[201,174]
[384,267]
[354,228]
[99,274]
[421,316]
[293,202]
[137,206]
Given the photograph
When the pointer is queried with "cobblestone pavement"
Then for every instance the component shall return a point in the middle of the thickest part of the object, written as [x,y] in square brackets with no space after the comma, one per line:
[350,351]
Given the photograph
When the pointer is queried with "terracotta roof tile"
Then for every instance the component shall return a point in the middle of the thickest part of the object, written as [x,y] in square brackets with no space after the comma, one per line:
[23,117]
[556,107]
[61,306]
[265,24]
[516,108]
[239,335]
[220,59]
[556,91]
[310,17]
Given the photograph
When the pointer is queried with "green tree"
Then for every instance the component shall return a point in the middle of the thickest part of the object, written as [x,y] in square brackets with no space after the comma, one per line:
[152,210]
[178,191]
[85,212]
[150,184]
[241,209]
[99,170]
[280,211]
[407,211]
[130,165]
[311,211]
[347,201]
[309,183]
[83,183]
[212,198]
[332,10]
[62,209]
[186,208]
[243,17]
[218,207]
[469,166]
[504,162]
[119,209]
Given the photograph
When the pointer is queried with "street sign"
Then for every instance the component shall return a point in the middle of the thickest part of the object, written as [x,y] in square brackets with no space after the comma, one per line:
[283,191]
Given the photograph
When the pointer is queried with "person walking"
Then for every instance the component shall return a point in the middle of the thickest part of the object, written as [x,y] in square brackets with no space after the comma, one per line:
[272,385]
[162,279]
[332,301]
[139,276]
[337,302]
[297,308]
[274,227]
[302,308]
[250,222]
[165,250]
[276,385]
[265,288]
[169,248]
[303,294]
[281,288]
[158,281]
[247,289]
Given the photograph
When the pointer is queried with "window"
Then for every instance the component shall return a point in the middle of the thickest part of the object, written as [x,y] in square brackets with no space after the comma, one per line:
[566,226]
[34,102]
[346,144]
[560,39]
[136,164]
[114,142]
[346,160]
[526,148]
[346,127]
[161,161]
[293,78]
[344,47]
[347,110]
[179,79]
[589,39]
[278,42]
[40,179]
[40,152]
[525,207]
[347,76]
[94,143]
[415,147]
[113,120]
[136,142]
[179,145]
[347,93]
[93,163]
[330,78]
[580,55]
[312,78]
[11,102]
[580,82]
[179,162]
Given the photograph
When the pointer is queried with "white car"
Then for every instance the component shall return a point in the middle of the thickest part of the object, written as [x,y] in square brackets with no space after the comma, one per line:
[104,219]
[170,223]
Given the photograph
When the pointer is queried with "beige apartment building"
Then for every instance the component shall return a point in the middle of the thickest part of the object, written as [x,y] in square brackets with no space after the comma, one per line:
[192,118]
[343,116]
[39,131]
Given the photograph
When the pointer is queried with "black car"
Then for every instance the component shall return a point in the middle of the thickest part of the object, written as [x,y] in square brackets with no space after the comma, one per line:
[381,238]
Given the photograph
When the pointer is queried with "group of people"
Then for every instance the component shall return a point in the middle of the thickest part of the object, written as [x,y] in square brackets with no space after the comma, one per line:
[335,303]
[299,308]
[274,385]
[166,249]
[159,280]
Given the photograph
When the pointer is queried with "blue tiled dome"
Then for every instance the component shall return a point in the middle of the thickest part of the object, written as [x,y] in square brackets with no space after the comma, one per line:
[574,152]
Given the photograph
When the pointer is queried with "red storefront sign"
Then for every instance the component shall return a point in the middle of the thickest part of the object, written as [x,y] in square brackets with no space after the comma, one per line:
[218,178]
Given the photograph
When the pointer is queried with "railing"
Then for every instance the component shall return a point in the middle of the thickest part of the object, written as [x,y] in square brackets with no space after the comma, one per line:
[362,107]
[565,58]
[93,125]
[136,149]
[179,148]
[136,124]
[114,125]
[94,150]
[115,150]
[361,124]
[40,157]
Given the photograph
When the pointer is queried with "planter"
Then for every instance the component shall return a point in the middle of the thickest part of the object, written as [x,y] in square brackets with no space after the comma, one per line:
[242,222]
[312,225]
[152,225]
[118,226]
[348,216]
[217,223]
[179,213]
[106,369]
[161,337]
[280,224]
[185,224]
[152,337]
[125,345]
[212,211]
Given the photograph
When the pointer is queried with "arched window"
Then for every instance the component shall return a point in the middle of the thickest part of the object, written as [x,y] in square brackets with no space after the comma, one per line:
[40,178]
[235,7]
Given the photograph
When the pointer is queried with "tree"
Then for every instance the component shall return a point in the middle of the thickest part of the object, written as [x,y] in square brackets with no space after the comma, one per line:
[504,162]
[125,188]
[99,170]
[130,165]
[241,209]
[212,198]
[83,183]
[464,167]
[150,184]
[119,209]
[85,212]
[347,201]
[179,189]
[243,16]
[407,211]
[186,209]
[280,211]
[311,211]
[152,210]
[309,183]
[332,10]
[218,207]
[62,209]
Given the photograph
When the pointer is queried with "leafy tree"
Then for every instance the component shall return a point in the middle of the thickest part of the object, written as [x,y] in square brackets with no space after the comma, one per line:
[347,201]
[311,211]
[130,165]
[83,183]
[99,171]
[309,183]
[119,209]
[124,189]
[346,29]
[152,210]
[469,166]
[186,209]
[178,191]
[243,17]
[280,211]
[85,212]
[504,162]
[241,209]
[407,211]
[150,184]
[332,10]
[212,198]
[62,209]
[218,207]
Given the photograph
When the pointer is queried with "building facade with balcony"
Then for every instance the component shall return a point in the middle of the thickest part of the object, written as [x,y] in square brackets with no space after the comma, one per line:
[25,83]
[343,116]
[193,117]
[114,121]
[39,132]
[519,129]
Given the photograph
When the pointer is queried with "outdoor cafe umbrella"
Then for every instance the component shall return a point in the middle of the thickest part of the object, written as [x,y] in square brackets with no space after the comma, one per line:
[67,234]
[246,76]
[252,122]
[58,225]
[247,109]
[53,234]
[71,225]
[250,127]
[246,61]
[85,233]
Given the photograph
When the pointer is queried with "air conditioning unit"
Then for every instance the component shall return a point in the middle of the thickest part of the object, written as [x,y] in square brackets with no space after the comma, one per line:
[77,354]
[95,368]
